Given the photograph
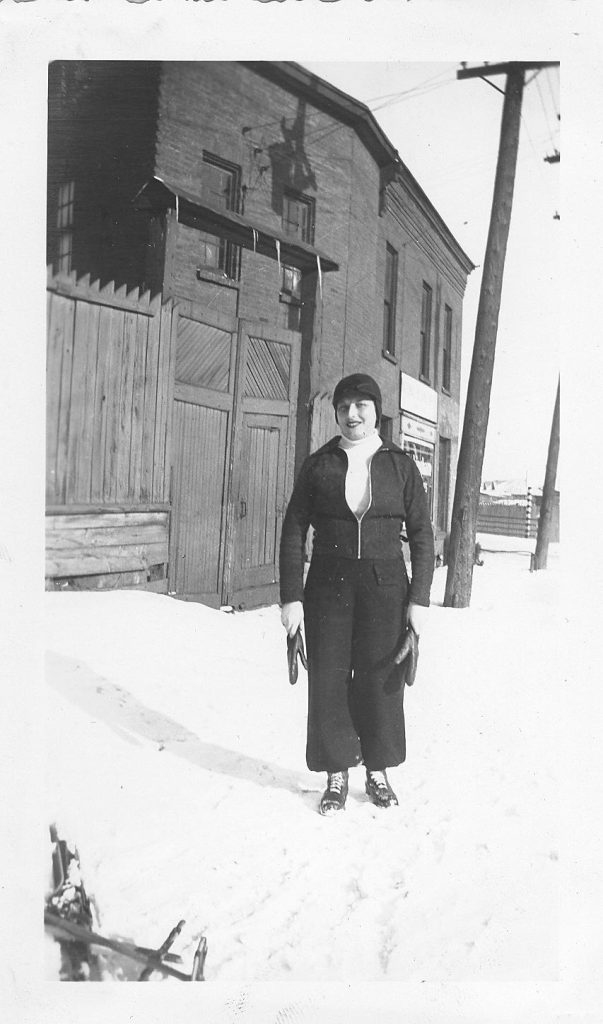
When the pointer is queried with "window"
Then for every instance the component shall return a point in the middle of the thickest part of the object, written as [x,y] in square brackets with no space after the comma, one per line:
[447,350]
[65,204]
[220,182]
[291,294]
[298,222]
[426,332]
[389,301]
[443,483]
[220,186]
[298,216]
[291,283]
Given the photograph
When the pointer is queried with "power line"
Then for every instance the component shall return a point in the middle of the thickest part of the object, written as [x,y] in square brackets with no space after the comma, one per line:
[525,125]
[554,100]
[390,98]
[546,116]
[403,92]
[413,93]
[323,132]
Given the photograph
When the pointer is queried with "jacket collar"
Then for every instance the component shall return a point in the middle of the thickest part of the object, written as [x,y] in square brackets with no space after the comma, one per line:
[387,446]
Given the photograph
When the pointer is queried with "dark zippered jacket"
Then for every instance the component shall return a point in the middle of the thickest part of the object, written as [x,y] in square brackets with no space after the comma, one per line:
[397,499]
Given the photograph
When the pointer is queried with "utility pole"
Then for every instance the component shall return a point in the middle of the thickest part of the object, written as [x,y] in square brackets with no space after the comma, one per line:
[471,456]
[545,521]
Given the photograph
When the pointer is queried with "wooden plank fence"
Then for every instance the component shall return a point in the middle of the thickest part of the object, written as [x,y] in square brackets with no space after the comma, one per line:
[516,517]
[507,520]
[109,393]
[106,543]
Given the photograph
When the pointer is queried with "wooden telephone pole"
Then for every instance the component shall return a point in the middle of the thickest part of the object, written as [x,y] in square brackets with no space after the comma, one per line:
[545,522]
[473,442]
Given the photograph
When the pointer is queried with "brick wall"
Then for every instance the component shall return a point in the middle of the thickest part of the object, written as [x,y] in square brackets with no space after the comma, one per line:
[101,135]
[424,256]
[247,120]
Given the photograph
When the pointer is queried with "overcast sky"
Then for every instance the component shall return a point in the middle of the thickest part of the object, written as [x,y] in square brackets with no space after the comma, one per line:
[447,132]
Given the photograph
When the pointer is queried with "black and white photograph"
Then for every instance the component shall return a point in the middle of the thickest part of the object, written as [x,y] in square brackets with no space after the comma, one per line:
[298,598]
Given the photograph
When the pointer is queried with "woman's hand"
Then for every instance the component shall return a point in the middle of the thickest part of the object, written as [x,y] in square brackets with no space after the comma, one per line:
[292,616]
[416,617]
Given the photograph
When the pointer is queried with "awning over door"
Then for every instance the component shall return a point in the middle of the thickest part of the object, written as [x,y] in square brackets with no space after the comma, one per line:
[250,234]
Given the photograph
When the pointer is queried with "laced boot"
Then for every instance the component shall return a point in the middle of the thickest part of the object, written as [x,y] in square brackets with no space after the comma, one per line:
[379,790]
[334,796]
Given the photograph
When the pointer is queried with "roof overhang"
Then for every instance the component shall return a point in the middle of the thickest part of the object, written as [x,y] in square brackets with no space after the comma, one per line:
[157,195]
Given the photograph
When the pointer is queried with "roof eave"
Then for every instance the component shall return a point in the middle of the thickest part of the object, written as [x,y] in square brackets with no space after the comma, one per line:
[408,179]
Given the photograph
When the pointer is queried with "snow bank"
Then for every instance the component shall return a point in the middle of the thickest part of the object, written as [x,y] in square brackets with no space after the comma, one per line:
[175,754]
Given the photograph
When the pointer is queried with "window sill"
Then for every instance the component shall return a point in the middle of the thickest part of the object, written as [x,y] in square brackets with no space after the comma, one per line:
[446,391]
[216,277]
[389,356]
[425,380]
[289,300]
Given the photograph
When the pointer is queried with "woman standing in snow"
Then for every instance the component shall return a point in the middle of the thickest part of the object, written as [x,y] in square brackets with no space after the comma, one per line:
[356,491]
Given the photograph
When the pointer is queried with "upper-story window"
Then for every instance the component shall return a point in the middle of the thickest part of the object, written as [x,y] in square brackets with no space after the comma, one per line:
[220,182]
[291,295]
[389,300]
[447,349]
[291,283]
[298,216]
[65,207]
[220,186]
[426,305]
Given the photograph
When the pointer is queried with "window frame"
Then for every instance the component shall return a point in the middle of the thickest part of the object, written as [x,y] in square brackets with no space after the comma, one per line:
[425,333]
[228,260]
[234,170]
[390,301]
[291,295]
[447,350]
[290,298]
[306,203]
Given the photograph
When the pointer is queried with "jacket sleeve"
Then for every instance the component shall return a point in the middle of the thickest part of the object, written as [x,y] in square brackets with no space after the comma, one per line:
[420,537]
[293,538]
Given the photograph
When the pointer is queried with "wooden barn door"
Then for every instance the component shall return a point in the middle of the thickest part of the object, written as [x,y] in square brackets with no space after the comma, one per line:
[202,429]
[233,443]
[264,440]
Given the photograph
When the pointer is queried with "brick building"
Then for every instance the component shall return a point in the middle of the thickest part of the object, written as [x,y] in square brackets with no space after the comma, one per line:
[295,246]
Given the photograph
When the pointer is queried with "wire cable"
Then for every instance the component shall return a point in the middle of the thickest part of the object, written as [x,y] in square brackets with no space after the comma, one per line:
[546,115]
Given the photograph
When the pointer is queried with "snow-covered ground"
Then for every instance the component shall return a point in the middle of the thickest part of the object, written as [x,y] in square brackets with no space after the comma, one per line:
[175,762]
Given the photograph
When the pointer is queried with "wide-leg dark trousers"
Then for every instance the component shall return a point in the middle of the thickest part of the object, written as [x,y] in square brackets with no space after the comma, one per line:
[354,612]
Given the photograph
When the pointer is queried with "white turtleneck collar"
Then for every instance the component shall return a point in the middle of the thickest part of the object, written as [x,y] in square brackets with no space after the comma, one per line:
[369,444]
[357,481]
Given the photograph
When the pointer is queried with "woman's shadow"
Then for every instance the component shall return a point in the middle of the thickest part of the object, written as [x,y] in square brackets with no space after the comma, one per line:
[129,718]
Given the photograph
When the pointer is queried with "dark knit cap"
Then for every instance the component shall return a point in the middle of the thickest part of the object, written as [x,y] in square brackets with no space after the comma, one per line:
[358,384]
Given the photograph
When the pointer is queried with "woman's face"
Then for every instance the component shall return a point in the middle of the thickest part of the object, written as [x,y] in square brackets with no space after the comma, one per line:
[356,417]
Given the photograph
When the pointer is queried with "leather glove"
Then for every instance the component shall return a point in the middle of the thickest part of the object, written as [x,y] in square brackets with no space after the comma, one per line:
[295,646]
[409,652]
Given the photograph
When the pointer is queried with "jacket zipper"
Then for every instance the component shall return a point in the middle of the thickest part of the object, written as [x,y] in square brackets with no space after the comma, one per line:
[360,518]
